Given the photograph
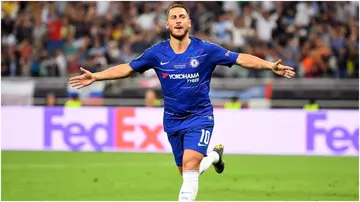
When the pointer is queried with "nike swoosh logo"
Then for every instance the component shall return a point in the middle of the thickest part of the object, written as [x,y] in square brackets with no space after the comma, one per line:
[201,145]
[163,63]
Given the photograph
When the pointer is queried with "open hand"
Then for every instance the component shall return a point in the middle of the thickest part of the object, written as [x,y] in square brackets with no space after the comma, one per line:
[83,80]
[282,70]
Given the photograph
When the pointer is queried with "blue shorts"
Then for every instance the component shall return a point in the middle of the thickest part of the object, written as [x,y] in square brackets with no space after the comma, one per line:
[195,138]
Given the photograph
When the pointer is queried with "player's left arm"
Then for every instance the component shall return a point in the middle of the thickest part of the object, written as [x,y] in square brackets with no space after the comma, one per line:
[221,56]
[252,62]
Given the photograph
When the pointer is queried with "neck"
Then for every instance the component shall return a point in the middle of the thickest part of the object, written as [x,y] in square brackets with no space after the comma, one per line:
[180,46]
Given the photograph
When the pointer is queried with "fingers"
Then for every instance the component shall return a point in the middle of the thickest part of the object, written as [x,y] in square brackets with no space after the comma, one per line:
[288,74]
[75,78]
[286,68]
[79,87]
[84,70]
[77,84]
[76,81]
[283,70]
[278,62]
[282,67]
[80,76]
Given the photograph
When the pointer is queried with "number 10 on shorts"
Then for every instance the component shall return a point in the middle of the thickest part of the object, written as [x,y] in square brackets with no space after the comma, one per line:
[205,137]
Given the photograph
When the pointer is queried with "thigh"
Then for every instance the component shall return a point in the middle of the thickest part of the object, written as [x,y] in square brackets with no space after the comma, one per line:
[198,138]
[192,159]
[176,141]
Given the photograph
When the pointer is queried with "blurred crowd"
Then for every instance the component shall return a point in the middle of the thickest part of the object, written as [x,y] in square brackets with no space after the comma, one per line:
[42,39]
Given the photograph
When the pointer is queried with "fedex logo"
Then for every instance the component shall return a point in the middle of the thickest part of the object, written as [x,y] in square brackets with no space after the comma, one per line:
[81,133]
[337,138]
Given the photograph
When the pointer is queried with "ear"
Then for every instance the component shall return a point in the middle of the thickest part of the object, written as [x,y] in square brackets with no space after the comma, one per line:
[190,23]
[167,25]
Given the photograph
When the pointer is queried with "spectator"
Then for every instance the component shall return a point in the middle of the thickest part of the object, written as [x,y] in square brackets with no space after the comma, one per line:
[312,105]
[319,39]
[221,29]
[151,99]
[73,101]
[265,23]
[241,34]
[232,104]
[50,100]
[304,12]
[39,32]
[54,41]
[61,63]
[146,20]
[67,30]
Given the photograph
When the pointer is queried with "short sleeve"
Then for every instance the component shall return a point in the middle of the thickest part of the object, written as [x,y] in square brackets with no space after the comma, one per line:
[143,62]
[221,56]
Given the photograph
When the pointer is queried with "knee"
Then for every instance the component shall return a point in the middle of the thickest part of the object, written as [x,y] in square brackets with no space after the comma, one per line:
[180,169]
[191,164]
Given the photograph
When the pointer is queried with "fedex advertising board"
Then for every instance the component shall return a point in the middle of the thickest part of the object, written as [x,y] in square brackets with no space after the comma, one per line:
[103,129]
[280,132]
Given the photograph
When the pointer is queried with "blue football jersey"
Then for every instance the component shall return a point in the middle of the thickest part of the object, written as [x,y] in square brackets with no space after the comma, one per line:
[185,78]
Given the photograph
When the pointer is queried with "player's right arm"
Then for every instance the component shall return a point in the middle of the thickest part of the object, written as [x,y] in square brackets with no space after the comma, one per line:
[140,64]
[87,78]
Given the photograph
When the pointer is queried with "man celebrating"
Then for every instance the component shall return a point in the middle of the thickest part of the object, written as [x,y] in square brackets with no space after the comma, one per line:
[184,65]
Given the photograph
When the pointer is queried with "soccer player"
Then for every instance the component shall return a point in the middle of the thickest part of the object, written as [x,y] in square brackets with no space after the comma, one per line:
[184,65]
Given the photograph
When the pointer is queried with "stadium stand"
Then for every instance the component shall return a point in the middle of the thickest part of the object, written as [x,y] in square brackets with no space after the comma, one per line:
[48,41]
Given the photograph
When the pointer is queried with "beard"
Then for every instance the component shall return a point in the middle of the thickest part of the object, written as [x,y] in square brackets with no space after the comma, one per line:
[178,35]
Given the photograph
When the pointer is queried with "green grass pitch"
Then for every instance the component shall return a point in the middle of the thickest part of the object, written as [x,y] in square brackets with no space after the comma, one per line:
[144,176]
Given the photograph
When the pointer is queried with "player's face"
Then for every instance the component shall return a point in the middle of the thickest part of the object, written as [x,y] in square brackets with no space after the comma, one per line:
[178,23]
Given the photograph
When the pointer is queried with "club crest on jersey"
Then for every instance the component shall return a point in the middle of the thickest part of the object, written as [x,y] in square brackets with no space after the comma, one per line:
[194,63]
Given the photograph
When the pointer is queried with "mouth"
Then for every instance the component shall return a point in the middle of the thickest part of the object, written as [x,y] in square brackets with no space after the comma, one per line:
[178,27]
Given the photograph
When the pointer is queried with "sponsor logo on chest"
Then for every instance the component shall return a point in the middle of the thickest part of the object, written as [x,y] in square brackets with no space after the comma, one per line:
[190,78]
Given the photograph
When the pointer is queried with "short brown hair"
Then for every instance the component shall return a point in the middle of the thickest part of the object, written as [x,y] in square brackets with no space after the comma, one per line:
[176,6]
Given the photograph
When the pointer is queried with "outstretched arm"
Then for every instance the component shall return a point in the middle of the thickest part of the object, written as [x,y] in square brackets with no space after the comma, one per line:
[87,78]
[253,62]
[116,72]
[139,64]
[221,56]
